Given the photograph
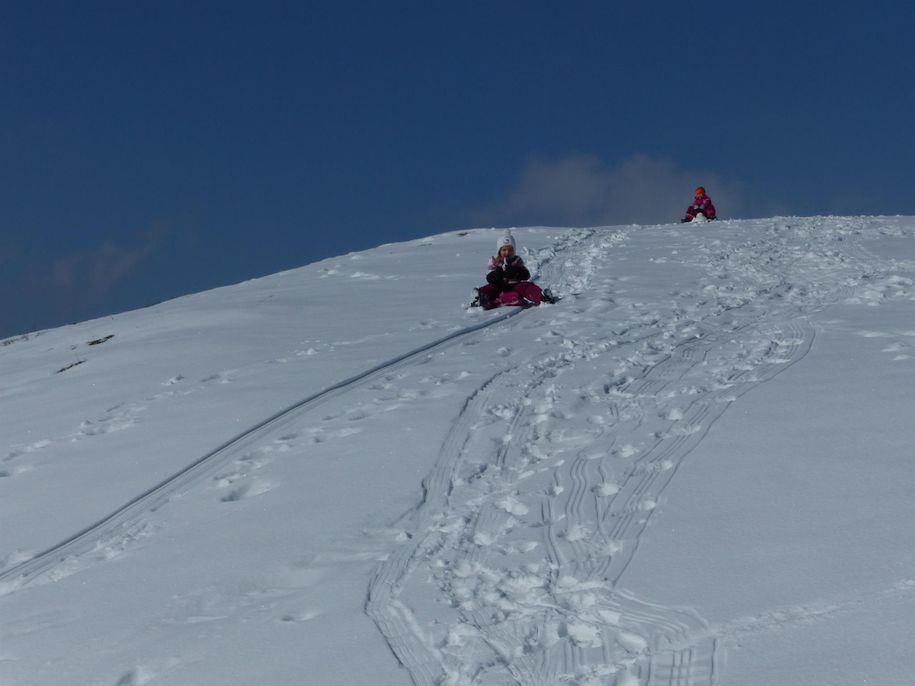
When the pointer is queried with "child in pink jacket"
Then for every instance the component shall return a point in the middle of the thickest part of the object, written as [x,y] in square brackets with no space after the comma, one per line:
[507,279]
[702,204]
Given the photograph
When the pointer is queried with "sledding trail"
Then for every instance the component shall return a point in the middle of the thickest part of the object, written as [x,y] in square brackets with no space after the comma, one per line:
[546,484]
[119,527]
[120,523]
[442,520]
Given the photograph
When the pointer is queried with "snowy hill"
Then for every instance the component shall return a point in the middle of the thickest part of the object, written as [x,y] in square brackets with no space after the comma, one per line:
[695,469]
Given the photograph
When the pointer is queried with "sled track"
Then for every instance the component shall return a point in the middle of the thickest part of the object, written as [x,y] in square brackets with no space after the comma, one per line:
[680,653]
[463,601]
[124,518]
[443,493]
[487,623]
[85,540]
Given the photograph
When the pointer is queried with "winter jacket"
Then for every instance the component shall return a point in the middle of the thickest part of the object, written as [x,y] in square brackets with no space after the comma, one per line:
[701,205]
[512,271]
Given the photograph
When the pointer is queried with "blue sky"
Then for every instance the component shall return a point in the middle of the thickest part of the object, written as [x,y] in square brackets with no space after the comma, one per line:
[156,149]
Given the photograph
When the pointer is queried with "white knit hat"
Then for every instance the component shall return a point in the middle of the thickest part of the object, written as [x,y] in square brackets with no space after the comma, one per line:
[506,239]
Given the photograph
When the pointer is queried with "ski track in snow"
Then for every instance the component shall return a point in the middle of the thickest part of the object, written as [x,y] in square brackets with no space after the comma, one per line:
[549,477]
[64,558]
[245,453]
[512,569]
[118,417]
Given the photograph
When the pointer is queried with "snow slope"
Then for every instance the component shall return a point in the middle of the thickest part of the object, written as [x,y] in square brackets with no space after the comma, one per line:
[694,469]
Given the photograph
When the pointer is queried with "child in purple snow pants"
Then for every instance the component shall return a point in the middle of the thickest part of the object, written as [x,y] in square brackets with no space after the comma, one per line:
[507,280]
[702,204]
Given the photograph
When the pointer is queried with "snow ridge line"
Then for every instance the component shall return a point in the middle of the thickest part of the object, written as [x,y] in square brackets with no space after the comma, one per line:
[158,495]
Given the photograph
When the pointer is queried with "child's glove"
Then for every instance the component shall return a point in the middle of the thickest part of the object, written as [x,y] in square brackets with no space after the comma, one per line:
[495,276]
[513,274]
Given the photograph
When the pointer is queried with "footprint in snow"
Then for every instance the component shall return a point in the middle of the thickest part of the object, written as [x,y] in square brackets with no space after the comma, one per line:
[674,415]
[109,424]
[440,380]
[305,616]
[220,378]
[245,465]
[606,489]
[577,532]
[286,442]
[248,490]
[626,451]
[25,450]
[322,435]
[136,677]
[902,350]
[512,506]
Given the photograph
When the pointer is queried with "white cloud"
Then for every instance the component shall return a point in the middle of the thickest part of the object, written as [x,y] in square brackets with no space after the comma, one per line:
[67,283]
[581,190]
[95,273]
